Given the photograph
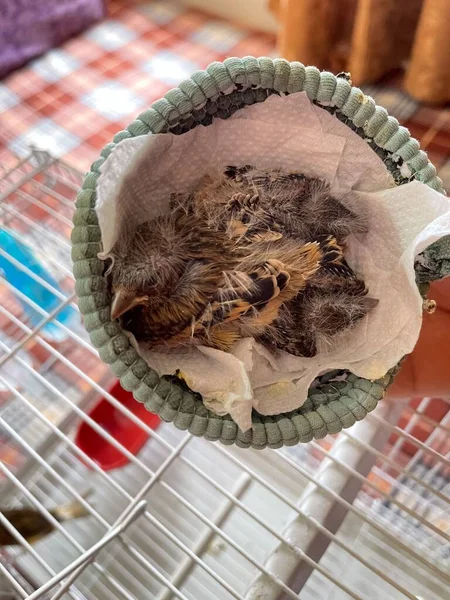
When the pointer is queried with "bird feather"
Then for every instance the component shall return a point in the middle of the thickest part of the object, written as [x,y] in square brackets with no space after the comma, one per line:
[247,252]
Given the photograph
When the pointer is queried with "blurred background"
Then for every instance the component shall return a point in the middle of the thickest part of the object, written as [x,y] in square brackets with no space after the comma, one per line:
[77,71]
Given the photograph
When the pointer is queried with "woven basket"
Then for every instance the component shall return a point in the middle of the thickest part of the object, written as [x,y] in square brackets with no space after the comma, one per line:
[218,92]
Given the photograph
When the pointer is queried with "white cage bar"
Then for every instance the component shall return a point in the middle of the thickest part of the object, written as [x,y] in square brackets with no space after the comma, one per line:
[362,515]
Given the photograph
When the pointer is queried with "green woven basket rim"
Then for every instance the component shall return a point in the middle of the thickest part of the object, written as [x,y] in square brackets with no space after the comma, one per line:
[218,91]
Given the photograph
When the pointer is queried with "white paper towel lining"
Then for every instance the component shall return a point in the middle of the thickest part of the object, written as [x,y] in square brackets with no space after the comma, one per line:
[292,134]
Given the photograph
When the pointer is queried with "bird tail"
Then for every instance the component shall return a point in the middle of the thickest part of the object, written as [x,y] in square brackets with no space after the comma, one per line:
[332,253]
[71,510]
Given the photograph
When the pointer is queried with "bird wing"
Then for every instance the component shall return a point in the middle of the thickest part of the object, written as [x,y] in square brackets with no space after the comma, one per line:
[268,282]
[336,273]
[232,302]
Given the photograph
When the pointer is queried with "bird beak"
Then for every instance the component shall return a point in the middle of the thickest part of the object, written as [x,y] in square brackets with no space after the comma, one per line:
[123,301]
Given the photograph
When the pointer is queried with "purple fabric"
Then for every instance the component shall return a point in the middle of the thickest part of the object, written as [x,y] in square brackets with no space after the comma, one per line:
[30,27]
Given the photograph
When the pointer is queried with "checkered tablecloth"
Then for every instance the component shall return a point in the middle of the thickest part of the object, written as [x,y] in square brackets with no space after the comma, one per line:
[72,100]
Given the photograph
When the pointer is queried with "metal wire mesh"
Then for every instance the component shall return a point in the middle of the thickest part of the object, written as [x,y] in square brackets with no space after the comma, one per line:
[362,515]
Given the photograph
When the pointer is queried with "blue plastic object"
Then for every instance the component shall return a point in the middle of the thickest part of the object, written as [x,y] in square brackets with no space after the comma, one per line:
[32,288]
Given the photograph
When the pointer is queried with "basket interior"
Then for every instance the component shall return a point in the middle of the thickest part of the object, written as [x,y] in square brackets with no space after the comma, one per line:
[331,404]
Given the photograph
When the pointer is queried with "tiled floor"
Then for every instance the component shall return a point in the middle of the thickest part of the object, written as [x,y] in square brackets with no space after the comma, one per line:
[73,99]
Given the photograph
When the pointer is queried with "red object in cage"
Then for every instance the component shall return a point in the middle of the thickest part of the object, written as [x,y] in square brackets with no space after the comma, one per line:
[124,430]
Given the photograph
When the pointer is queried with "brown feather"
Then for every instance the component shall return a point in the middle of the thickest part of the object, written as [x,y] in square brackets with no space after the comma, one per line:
[301,206]
[313,319]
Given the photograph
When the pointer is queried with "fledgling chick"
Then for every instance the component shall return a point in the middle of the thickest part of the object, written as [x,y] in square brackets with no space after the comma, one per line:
[177,279]
[313,319]
[164,273]
[33,526]
[254,204]
[334,301]
[290,203]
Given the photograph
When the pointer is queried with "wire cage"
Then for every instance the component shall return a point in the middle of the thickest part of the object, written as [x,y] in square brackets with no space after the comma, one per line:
[335,399]
[363,515]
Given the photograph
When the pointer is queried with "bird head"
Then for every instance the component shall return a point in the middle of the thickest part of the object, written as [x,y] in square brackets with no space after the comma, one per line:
[145,267]
[150,263]
[133,284]
[148,281]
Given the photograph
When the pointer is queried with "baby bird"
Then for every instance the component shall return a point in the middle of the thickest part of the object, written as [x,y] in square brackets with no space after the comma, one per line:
[312,319]
[33,526]
[292,205]
[289,203]
[177,279]
[241,256]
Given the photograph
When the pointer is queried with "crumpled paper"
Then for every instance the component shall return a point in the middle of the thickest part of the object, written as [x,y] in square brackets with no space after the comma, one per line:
[292,134]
